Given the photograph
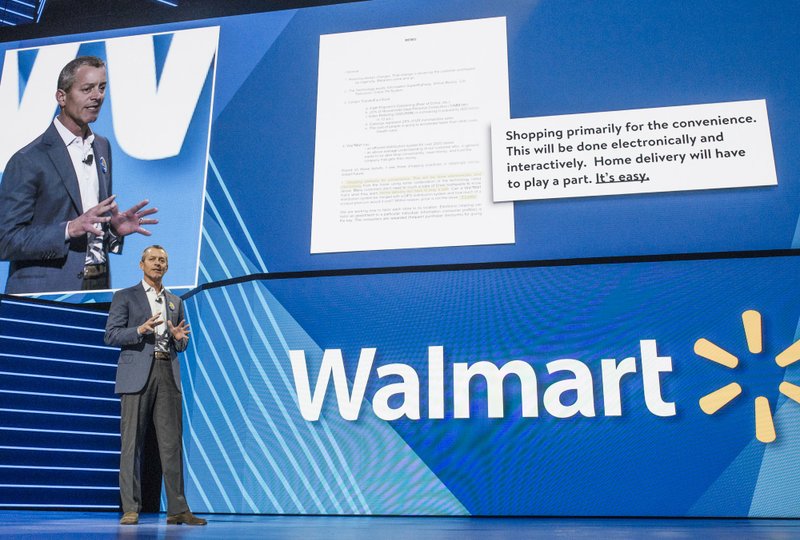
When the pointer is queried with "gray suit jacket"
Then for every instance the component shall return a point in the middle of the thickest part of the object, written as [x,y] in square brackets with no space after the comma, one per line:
[129,309]
[39,193]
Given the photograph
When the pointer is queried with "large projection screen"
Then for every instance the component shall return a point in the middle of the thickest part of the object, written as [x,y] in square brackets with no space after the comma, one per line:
[544,251]
[377,134]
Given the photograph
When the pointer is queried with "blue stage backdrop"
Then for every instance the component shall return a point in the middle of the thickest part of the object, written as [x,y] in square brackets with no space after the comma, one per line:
[261,84]
[612,388]
[529,391]
[59,416]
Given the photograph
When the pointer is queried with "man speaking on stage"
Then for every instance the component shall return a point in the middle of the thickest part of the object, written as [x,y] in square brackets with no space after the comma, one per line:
[147,322]
[58,217]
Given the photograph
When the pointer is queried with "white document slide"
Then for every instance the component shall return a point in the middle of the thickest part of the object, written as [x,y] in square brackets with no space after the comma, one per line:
[403,143]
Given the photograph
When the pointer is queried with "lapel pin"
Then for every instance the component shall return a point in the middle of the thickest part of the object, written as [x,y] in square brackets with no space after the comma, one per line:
[172,306]
[103,165]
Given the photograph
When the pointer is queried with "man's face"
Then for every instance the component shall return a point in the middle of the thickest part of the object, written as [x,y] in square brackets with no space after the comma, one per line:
[81,104]
[154,264]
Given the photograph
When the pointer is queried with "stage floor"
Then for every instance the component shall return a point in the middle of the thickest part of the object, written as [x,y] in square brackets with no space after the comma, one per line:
[96,525]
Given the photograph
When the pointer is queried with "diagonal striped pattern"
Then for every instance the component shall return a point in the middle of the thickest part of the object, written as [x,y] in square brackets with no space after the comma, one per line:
[247,447]
[237,382]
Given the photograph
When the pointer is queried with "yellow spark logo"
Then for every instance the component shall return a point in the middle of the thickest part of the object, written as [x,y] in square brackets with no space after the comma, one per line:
[713,402]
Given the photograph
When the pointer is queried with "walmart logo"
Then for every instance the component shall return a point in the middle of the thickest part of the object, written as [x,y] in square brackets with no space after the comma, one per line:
[716,400]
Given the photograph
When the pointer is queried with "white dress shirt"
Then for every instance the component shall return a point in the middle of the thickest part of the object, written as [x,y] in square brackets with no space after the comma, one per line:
[89,184]
[158,304]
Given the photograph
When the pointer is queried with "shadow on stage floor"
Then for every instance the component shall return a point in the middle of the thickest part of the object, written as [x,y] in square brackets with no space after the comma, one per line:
[74,525]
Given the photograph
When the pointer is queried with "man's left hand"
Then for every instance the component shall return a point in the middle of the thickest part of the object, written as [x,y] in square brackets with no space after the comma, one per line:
[179,332]
[131,220]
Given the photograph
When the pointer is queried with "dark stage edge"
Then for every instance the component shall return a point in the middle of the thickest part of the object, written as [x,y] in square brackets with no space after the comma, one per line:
[69,525]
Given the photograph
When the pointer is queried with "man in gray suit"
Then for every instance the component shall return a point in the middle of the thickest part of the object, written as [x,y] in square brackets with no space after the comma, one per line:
[58,218]
[147,322]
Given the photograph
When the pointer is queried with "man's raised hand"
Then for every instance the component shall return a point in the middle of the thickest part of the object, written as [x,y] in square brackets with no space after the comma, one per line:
[179,332]
[131,220]
[88,221]
[149,326]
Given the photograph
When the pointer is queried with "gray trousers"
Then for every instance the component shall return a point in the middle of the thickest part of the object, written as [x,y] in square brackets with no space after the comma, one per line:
[161,400]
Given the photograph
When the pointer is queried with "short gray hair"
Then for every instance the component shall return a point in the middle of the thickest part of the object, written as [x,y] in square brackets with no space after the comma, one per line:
[67,76]
[154,246]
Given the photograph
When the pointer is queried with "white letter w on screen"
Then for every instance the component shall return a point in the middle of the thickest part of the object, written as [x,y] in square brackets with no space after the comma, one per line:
[25,114]
[151,117]
[332,363]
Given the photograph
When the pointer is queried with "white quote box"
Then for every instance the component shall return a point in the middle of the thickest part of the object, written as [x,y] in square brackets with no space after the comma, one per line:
[684,148]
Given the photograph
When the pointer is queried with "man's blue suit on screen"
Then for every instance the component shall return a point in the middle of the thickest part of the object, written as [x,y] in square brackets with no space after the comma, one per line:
[39,194]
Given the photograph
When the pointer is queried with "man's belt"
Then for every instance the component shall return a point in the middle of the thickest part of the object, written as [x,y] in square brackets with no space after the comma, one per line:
[158,355]
[92,271]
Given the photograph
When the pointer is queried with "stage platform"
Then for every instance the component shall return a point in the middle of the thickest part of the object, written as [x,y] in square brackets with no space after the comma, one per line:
[97,525]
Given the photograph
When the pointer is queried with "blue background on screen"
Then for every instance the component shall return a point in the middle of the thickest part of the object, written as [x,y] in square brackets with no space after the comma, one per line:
[247,447]
[563,58]
[240,389]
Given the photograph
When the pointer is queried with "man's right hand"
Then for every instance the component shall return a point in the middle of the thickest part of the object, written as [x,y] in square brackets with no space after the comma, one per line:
[150,324]
[87,222]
